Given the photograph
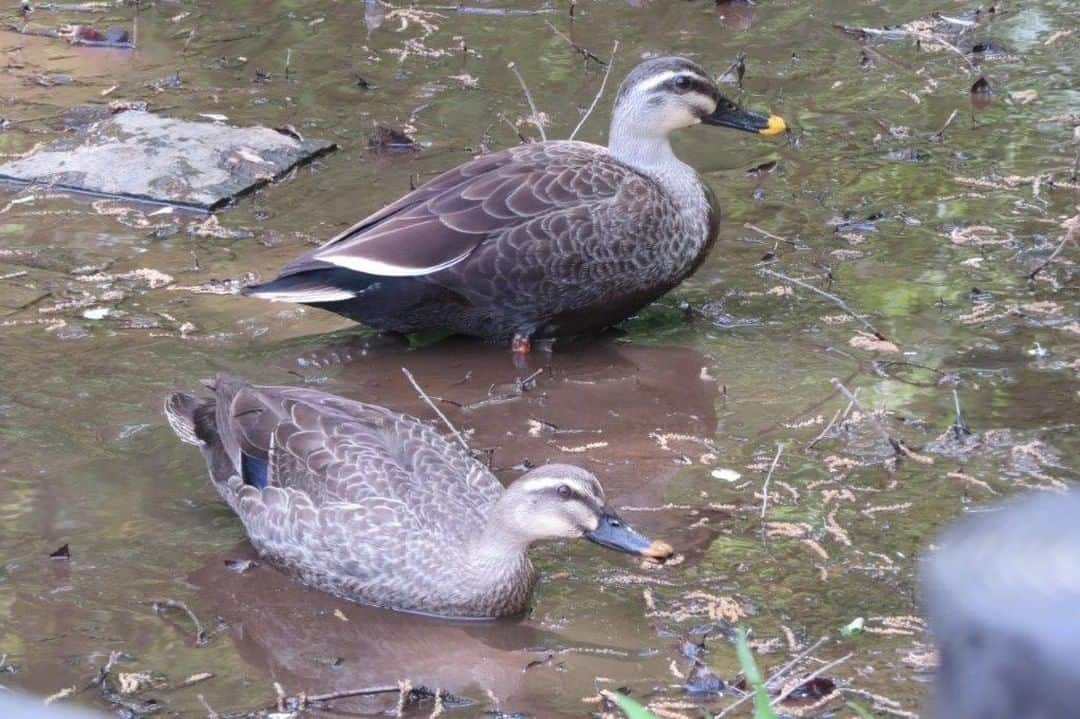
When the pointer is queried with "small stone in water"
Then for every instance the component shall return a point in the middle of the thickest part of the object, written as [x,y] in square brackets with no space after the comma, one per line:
[981,93]
[241,565]
[386,138]
[812,690]
[97,313]
[703,680]
[692,650]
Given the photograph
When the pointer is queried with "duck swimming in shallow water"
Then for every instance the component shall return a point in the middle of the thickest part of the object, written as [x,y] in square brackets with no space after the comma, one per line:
[377,507]
[541,240]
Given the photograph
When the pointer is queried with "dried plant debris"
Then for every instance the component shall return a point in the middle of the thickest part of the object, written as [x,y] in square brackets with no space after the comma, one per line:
[1025,460]
[218,286]
[939,28]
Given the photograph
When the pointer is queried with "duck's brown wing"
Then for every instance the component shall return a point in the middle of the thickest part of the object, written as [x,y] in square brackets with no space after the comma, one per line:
[303,457]
[442,222]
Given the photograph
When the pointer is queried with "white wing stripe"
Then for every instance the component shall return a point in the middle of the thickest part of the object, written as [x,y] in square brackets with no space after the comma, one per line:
[307,294]
[386,269]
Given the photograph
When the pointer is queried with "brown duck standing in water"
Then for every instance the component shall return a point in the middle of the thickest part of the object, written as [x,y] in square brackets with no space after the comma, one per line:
[377,507]
[541,240]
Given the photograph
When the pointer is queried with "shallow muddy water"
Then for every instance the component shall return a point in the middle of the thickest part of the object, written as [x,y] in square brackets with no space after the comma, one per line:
[930,237]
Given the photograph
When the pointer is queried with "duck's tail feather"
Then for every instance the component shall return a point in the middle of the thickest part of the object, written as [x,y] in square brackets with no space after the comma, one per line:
[330,284]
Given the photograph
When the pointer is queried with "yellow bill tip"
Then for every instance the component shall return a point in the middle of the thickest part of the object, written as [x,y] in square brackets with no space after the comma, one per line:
[658,550]
[775,127]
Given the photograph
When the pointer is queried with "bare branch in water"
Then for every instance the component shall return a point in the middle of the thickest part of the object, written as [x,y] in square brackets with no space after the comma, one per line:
[827,295]
[1070,234]
[532,105]
[424,396]
[941,133]
[599,93]
[810,677]
[777,675]
[201,636]
[768,477]
[583,51]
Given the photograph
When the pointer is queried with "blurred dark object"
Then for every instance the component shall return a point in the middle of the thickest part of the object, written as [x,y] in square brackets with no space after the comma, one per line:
[391,140]
[1003,598]
[22,706]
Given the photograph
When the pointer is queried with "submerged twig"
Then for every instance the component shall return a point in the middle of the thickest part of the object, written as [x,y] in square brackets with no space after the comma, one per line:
[945,44]
[201,636]
[463,9]
[583,51]
[898,445]
[1069,235]
[827,295]
[303,700]
[897,33]
[778,674]
[210,713]
[960,427]
[424,396]
[825,431]
[739,66]
[95,7]
[523,385]
[858,405]
[810,677]
[513,127]
[768,477]
[770,235]
[366,691]
[103,672]
[599,93]
[536,120]
[940,134]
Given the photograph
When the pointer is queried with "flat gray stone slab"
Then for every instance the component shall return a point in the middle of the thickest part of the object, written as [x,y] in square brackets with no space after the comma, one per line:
[143,156]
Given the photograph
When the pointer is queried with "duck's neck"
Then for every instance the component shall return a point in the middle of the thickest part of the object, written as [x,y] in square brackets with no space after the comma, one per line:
[498,544]
[502,575]
[649,152]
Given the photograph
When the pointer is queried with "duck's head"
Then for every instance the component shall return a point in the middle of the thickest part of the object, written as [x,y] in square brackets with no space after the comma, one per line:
[559,501]
[665,94]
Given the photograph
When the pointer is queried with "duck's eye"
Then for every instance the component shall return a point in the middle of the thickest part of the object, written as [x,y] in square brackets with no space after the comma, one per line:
[682,82]
[564,491]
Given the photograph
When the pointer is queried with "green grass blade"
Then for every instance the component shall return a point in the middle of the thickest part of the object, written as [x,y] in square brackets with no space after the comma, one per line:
[630,707]
[860,710]
[762,708]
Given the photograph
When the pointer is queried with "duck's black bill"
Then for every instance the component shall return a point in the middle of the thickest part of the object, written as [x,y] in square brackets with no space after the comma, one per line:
[614,533]
[739,119]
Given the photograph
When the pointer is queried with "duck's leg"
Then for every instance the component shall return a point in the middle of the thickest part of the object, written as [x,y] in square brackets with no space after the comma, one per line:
[520,349]
[521,344]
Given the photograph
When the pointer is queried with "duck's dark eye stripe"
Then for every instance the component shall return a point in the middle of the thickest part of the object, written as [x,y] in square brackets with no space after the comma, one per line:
[688,83]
